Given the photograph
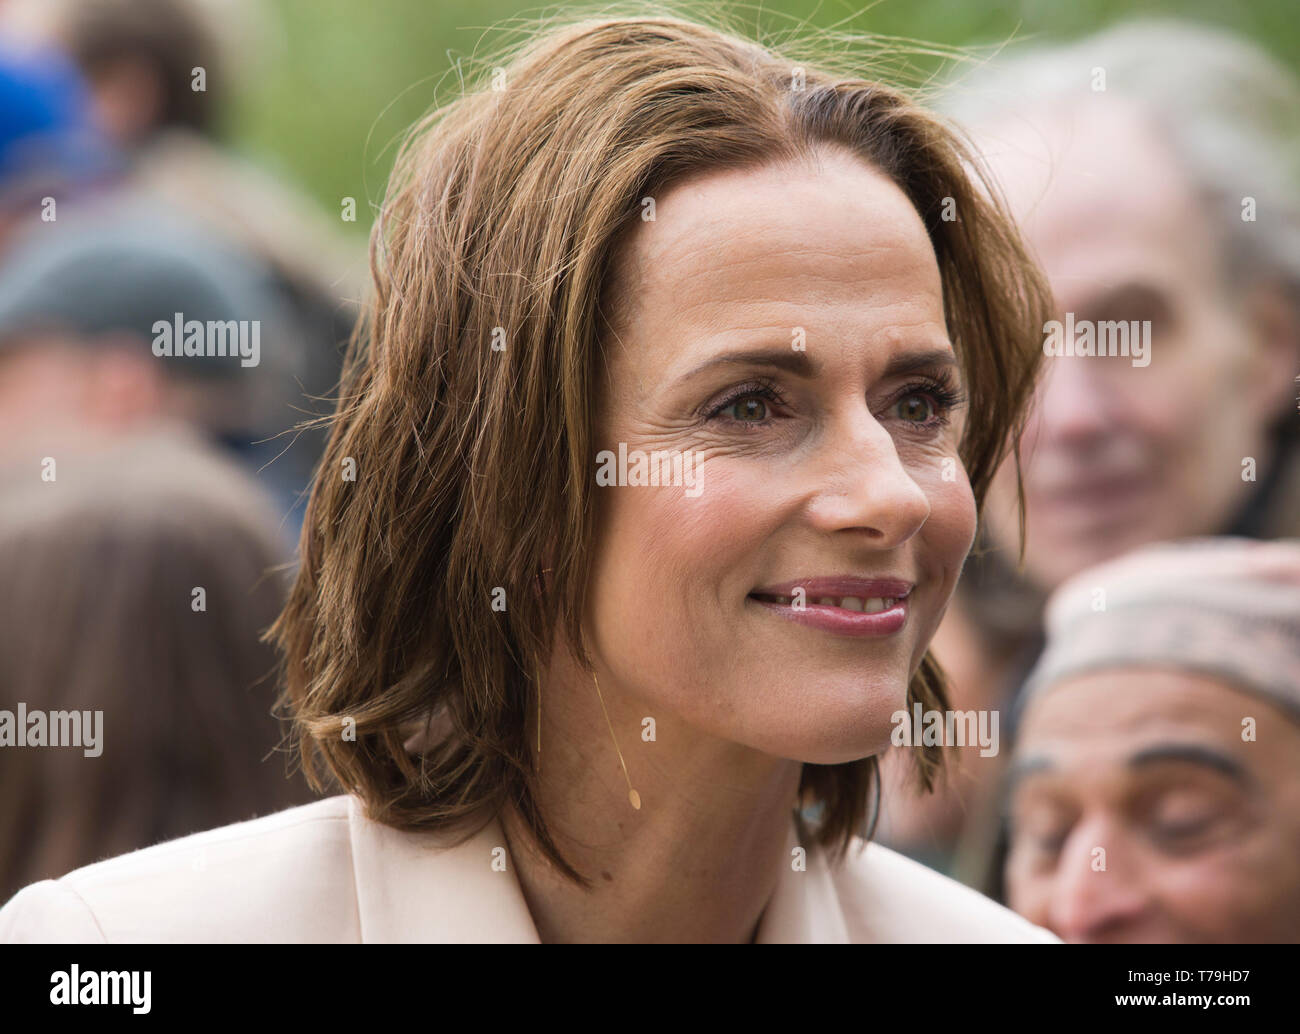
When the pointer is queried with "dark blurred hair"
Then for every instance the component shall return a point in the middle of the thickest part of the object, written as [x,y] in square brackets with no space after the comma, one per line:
[98,569]
[170,37]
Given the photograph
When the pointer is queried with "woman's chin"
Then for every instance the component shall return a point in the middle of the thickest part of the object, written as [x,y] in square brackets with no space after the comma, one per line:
[842,751]
[835,742]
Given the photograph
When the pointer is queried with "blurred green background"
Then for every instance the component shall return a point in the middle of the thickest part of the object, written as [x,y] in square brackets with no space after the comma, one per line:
[334,84]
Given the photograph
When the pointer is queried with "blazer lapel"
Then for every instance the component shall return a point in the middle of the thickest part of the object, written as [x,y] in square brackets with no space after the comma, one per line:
[419,888]
[805,908]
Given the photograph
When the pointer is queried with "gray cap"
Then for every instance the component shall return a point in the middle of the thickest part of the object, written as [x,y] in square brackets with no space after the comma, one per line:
[123,268]
[1227,608]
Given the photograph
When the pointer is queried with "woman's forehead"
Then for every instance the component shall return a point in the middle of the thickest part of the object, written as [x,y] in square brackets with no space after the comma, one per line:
[722,260]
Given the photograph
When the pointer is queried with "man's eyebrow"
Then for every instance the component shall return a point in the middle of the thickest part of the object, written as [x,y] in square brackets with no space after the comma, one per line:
[1023,768]
[1195,754]
[803,365]
[1131,292]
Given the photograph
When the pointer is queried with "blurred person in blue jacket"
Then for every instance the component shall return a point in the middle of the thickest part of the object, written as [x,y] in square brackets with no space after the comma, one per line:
[162,76]
[49,148]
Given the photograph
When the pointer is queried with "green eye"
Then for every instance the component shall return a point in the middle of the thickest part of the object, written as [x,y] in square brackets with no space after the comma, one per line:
[916,409]
[750,409]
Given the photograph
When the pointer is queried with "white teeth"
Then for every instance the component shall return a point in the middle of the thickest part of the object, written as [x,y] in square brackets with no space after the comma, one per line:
[874,605]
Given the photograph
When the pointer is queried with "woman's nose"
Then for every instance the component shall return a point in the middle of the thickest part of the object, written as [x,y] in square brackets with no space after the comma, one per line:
[865,486]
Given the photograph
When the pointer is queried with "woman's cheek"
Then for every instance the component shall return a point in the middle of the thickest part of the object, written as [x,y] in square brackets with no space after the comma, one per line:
[965,514]
[950,528]
[678,543]
[696,522]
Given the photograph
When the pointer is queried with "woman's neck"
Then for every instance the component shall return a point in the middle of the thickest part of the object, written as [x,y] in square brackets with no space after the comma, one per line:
[698,861]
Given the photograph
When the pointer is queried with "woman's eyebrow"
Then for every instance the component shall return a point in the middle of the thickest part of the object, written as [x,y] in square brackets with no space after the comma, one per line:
[802,365]
[912,362]
[797,362]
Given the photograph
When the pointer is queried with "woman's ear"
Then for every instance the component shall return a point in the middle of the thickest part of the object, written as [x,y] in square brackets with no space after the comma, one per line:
[1273,316]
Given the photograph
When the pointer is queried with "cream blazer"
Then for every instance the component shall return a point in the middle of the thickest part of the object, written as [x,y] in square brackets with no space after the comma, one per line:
[324,872]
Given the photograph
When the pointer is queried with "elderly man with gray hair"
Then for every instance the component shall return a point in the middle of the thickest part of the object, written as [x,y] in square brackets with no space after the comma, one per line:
[1155,171]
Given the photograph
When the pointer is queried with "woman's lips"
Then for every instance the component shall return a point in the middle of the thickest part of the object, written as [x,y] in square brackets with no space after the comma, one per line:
[844,606]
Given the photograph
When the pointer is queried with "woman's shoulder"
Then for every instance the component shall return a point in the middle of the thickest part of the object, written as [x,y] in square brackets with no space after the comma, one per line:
[285,876]
[887,896]
[325,872]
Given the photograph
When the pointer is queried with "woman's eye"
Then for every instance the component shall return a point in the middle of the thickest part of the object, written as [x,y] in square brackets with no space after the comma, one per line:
[750,409]
[916,408]
[757,404]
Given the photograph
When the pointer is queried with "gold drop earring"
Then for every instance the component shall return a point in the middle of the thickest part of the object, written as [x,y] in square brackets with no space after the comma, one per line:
[632,795]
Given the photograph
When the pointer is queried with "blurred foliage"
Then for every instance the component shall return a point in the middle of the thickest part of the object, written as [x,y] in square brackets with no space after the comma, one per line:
[336,83]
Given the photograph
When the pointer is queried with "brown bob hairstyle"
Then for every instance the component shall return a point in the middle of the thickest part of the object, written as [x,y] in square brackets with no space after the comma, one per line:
[502,220]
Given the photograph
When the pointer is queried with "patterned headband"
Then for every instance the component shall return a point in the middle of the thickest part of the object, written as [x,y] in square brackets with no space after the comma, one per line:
[1227,608]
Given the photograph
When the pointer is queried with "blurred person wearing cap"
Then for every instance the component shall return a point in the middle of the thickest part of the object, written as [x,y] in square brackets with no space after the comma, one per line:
[1155,170]
[1154,792]
[81,309]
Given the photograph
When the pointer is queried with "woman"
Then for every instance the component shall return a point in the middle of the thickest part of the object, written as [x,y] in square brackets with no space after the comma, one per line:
[650,480]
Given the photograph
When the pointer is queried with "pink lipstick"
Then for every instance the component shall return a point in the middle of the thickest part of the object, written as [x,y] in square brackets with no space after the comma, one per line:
[842,604]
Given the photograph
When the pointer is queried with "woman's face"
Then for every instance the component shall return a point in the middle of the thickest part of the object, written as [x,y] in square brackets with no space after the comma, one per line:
[782,338]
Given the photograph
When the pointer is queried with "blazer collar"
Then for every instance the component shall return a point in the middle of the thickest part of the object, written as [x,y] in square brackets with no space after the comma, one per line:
[414,887]
[805,908]
[420,888]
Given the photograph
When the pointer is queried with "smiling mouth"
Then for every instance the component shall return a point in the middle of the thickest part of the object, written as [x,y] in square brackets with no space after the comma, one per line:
[843,614]
[856,604]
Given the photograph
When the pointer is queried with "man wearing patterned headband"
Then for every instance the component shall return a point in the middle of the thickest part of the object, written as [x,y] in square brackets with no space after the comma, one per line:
[1154,792]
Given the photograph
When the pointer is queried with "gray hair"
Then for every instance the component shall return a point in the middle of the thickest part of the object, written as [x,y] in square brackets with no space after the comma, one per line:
[1229,112]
